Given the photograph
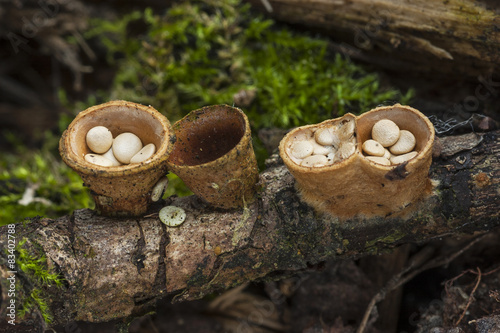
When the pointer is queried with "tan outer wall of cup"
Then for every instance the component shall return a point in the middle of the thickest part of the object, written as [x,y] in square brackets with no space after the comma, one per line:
[229,180]
[359,187]
[122,190]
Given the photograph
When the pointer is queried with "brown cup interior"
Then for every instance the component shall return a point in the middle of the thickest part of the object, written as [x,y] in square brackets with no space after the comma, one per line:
[404,118]
[207,134]
[118,119]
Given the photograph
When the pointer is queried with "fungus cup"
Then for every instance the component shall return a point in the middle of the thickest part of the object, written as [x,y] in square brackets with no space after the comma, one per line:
[358,185]
[213,155]
[123,190]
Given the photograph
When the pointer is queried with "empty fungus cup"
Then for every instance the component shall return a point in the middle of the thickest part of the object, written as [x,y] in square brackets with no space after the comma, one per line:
[123,190]
[355,185]
[213,155]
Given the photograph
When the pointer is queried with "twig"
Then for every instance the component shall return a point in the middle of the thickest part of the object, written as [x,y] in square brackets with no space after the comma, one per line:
[398,280]
[470,297]
[448,283]
[479,275]
[492,271]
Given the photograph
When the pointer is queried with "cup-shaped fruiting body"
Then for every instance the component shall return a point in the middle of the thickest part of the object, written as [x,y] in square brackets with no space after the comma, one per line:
[399,186]
[119,190]
[213,155]
[352,184]
[323,186]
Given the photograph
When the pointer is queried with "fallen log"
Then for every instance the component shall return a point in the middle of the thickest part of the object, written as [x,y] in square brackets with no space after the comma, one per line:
[455,37]
[117,269]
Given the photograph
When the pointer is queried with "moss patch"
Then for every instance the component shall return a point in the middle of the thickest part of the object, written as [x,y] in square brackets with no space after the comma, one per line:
[35,266]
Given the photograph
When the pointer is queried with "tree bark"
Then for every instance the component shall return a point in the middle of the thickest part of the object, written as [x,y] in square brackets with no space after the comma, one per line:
[452,37]
[116,269]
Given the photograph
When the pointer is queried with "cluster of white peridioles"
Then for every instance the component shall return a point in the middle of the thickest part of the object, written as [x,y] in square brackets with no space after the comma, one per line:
[126,148]
[324,145]
[389,144]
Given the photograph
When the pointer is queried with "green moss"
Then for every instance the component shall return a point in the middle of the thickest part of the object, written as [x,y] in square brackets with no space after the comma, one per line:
[36,268]
[176,187]
[36,300]
[390,238]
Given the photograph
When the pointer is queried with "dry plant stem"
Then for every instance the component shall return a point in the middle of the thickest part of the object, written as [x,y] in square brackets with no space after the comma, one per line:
[479,275]
[399,279]
[469,301]
[449,282]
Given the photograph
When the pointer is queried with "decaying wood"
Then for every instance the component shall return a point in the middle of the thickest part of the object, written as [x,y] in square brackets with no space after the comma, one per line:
[451,37]
[119,268]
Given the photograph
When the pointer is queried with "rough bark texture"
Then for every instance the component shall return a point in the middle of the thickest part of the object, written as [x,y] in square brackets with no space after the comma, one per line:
[454,37]
[119,268]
